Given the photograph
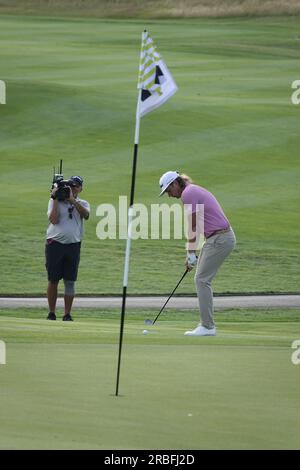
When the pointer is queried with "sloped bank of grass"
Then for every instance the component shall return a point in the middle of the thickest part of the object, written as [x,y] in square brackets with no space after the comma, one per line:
[102,326]
[151,9]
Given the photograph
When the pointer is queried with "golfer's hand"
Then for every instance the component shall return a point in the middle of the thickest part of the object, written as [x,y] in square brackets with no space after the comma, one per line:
[191,261]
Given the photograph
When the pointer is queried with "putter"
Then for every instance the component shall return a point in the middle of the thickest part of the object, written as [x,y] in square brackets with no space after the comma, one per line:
[150,322]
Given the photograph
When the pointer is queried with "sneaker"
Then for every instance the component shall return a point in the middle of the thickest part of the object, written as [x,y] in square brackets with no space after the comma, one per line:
[51,316]
[201,331]
[67,317]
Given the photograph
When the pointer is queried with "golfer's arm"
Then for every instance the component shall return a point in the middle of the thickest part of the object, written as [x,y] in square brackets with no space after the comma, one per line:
[192,235]
[54,214]
[83,212]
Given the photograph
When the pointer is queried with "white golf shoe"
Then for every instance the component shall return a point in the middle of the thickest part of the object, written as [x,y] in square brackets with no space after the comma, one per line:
[201,331]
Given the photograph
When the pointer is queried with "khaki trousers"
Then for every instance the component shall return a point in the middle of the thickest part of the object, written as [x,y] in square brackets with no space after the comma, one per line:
[214,251]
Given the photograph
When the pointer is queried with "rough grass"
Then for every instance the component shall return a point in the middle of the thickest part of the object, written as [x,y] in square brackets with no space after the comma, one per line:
[152,8]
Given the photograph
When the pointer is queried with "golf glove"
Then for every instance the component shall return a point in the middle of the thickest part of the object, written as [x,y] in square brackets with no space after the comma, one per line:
[191,260]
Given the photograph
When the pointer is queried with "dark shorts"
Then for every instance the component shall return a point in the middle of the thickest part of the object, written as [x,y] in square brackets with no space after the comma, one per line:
[62,260]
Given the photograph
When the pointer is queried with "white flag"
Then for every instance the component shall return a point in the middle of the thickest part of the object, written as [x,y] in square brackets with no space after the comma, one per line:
[155,81]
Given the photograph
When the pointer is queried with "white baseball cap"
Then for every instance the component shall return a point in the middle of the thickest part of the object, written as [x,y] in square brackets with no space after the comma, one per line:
[166,179]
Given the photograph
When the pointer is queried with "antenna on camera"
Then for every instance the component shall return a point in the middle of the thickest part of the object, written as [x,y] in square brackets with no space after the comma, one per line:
[57,176]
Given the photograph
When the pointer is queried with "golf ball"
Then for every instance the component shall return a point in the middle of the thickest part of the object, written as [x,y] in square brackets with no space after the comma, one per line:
[145,332]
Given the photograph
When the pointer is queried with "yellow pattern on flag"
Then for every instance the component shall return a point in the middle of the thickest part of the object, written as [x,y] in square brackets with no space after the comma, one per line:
[155,81]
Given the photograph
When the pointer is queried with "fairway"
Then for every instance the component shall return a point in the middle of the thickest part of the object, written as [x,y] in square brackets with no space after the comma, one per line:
[71,94]
[238,390]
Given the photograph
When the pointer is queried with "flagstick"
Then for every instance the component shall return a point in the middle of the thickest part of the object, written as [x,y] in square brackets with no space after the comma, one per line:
[128,242]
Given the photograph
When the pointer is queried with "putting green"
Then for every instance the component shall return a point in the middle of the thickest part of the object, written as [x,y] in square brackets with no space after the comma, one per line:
[238,390]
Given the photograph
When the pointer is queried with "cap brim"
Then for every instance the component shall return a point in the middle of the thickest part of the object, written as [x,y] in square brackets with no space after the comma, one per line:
[164,190]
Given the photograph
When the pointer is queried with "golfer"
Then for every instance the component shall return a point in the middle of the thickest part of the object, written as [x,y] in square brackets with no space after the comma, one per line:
[219,242]
[63,243]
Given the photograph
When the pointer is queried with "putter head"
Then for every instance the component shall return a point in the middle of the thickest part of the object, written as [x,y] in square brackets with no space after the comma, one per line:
[148,321]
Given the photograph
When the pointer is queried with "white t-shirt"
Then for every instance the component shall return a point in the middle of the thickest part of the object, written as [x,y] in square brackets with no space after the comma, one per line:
[68,230]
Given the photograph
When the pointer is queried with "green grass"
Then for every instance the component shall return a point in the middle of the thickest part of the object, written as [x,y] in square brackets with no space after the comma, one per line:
[238,390]
[150,8]
[71,94]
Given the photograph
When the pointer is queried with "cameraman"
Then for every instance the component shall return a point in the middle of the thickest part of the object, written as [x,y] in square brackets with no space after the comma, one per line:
[65,231]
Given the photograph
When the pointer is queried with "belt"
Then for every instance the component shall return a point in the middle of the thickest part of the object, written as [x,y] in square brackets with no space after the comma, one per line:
[225,230]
